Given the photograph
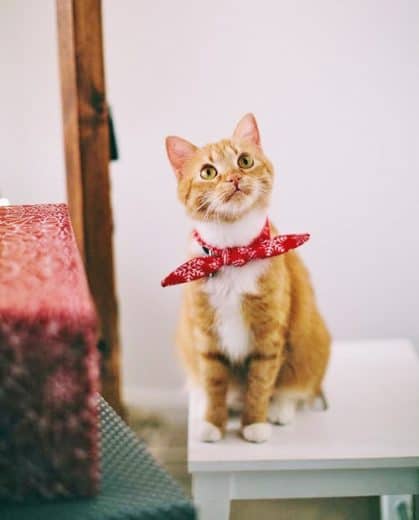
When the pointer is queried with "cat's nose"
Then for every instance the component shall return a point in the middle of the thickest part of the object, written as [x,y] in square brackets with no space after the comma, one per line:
[234,177]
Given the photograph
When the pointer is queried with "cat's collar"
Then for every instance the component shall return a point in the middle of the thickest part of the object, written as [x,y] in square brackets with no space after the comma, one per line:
[211,250]
[215,258]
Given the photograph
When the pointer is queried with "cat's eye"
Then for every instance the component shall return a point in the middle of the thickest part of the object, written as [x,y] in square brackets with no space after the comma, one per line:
[245,161]
[208,172]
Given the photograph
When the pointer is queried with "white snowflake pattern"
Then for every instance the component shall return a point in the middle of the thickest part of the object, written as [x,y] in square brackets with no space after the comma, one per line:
[191,270]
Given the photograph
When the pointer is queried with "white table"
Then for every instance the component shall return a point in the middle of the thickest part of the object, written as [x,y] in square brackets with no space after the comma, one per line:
[366,443]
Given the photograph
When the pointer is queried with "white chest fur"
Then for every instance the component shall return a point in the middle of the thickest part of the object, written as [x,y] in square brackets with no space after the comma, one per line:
[227,288]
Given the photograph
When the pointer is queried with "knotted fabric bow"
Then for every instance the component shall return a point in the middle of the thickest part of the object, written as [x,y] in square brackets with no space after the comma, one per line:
[263,246]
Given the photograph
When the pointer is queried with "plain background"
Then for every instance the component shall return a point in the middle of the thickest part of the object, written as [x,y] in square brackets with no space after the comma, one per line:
[334,86]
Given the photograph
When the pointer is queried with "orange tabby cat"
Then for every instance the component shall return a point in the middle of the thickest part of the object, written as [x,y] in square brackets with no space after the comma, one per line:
[250,336]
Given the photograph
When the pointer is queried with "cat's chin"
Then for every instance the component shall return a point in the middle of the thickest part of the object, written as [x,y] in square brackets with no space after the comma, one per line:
[234,212]
[223,217]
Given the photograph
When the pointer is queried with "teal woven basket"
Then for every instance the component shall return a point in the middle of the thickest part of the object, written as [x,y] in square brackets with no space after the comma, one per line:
[133,485]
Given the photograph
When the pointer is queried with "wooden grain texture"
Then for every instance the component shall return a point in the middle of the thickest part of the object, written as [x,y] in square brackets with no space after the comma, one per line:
[86,137]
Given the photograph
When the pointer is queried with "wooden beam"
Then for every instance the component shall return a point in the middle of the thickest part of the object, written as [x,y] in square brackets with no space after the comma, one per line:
[86,137]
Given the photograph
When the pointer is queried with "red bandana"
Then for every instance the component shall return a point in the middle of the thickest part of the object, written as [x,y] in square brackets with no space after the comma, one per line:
[262,246]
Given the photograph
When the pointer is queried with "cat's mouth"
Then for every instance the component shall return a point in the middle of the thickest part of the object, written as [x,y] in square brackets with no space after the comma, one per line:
[238,192]
[235,194]
[236,201]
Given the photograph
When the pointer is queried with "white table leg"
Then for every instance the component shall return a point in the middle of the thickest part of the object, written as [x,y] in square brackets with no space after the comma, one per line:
[392,506]
[415,507]
[211,493]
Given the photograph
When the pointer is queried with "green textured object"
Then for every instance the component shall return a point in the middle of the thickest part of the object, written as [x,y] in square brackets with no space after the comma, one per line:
[133,485]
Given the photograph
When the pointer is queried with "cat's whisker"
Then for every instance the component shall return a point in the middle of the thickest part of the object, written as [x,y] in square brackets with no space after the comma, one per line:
[218,198]
[204,203]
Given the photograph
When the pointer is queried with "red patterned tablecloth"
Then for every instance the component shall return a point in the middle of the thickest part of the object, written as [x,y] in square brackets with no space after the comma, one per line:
[48,358]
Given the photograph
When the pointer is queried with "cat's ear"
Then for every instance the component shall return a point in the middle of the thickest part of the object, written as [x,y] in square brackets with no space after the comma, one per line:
[179,151]
[247,130]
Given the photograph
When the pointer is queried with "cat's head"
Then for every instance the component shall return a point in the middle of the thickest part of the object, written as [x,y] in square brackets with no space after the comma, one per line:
[222,181]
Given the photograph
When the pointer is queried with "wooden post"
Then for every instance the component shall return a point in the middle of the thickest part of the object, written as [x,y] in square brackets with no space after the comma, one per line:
[86,137]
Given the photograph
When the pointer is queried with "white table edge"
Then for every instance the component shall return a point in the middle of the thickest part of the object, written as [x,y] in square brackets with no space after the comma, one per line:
[304,484]
[296,465]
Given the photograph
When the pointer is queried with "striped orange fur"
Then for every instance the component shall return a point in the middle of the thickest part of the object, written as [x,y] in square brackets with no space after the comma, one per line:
[255,331]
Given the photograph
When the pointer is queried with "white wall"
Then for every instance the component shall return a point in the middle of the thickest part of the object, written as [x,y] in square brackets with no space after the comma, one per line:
[31,150]
[334,86]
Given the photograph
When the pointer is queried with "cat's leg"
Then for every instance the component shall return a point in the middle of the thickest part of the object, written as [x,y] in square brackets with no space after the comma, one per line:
[215,378]
[300,378]
[263,370]
[297,383]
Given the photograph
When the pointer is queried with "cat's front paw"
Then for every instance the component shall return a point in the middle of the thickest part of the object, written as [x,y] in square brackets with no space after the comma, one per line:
[208,432]
[257,432]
